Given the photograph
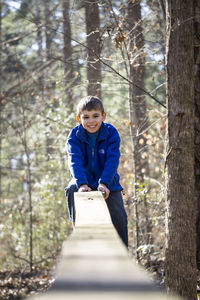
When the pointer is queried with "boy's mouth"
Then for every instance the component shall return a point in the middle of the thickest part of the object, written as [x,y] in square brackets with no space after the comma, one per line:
[92,126]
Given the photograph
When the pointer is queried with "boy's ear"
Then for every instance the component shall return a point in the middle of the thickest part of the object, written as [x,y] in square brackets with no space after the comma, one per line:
[104,116]
[78,119]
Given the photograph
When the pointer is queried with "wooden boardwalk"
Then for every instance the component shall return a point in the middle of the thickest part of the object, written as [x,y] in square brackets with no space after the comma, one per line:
[95,263]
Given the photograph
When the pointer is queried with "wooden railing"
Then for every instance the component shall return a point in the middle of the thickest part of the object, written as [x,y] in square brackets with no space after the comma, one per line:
[95,263]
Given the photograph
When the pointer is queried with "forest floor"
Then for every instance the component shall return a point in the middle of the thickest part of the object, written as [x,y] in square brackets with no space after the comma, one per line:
[155,269]
[16,285]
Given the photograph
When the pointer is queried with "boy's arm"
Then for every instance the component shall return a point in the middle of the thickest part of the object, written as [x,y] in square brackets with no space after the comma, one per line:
[76,161]
[112,159]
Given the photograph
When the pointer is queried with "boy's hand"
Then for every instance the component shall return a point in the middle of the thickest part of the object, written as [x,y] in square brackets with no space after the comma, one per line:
[103,188]
[84,188]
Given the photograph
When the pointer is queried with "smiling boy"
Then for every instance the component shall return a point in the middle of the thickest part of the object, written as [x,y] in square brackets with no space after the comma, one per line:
[93,159]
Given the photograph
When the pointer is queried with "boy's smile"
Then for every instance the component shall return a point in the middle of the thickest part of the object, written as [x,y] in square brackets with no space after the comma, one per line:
[91,120]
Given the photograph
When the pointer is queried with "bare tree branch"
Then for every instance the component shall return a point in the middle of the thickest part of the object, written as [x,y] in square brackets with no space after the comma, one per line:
[110,67]
[122,76]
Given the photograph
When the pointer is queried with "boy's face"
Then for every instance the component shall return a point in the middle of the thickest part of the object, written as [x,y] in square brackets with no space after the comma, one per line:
[91,120]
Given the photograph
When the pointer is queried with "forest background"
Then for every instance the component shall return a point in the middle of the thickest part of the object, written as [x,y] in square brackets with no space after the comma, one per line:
[53,53]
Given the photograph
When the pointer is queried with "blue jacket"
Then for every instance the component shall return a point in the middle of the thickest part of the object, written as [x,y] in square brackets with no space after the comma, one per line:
[94,165]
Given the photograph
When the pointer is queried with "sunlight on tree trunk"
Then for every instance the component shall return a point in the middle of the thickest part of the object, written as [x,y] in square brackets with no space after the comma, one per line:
[180,267]
[0,98]
[67,54]
[93,48]
[138,119]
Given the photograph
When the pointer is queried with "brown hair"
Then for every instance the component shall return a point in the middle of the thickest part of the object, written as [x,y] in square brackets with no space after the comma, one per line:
[89,103]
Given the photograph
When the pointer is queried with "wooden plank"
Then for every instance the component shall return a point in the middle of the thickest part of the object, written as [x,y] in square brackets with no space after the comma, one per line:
[95,262]
[96,259]
[104,296]
[91,209]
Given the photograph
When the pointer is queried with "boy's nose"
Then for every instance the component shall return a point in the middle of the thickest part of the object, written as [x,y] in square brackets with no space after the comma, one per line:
[91,121]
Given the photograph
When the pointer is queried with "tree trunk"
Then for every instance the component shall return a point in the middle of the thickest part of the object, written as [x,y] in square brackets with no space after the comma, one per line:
[39,42]
[24,140]
[29,181]
[49,88]
[0,100]
[180,266]
[67,54]
[197,118]
[48,25]
[93,48]
[137,106]
[162,5]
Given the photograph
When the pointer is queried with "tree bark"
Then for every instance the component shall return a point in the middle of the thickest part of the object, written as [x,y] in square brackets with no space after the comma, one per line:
[93,48]
[162,4]
[137,107]
[67,54]
[180,268]
[197,118]
[39,42]
[137,97]
[1,98]
[48,34]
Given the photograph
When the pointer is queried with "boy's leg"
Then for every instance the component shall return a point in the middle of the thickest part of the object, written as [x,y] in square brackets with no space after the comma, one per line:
[69,191]
[118,214]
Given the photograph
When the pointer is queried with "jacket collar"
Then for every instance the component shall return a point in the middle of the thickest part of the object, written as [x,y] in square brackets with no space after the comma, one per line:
[82,135]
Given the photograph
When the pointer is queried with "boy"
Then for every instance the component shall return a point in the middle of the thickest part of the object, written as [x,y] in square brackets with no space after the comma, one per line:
[93,158]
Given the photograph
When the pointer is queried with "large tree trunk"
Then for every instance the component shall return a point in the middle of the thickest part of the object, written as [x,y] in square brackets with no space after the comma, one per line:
[197,118]
[181,210]
[93,48]
[137,105]
[67,53]
[1,97]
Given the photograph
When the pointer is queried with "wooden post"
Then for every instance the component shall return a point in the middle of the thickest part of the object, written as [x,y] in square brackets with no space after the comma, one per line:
[95,263]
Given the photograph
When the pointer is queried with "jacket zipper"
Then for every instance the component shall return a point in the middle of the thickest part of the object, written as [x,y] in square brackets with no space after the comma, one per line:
[93,158]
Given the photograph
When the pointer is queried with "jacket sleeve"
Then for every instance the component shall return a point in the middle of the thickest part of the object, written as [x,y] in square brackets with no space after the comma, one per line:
[112,158]
[76,160]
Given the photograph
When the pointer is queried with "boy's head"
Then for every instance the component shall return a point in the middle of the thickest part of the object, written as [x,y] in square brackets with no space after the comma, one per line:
[89,103]
[90,113]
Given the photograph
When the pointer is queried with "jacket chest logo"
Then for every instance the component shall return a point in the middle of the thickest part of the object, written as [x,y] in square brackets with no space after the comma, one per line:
[101,151]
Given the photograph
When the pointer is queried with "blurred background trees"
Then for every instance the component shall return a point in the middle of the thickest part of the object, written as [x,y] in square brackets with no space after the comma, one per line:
[53,53]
